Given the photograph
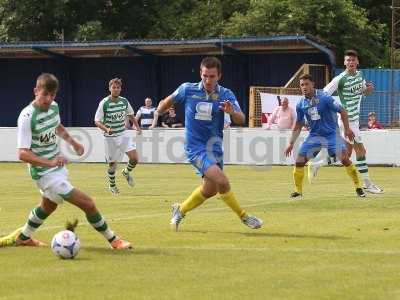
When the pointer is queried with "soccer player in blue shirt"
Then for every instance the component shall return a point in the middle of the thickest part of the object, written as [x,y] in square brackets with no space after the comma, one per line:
[320,110]
[205,104]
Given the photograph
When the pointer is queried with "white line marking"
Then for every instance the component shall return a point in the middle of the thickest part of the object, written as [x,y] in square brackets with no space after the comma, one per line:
[257,249]
[110,219]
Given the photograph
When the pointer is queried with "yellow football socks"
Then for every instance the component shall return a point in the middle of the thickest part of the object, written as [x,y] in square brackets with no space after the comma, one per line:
[298,175]
[352,171]
[194,200]
[230,200]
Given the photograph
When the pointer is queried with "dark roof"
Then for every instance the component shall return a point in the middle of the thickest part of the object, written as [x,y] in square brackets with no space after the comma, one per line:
[207,46]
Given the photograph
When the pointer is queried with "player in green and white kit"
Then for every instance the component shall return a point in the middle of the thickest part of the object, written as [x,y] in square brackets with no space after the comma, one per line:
[351,86]
[110,118]
[38,128]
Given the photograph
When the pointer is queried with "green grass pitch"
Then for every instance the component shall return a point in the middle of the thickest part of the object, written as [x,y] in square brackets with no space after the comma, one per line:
[330,245]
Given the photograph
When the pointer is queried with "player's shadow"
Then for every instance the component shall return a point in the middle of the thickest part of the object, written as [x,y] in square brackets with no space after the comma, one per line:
[134,251]
[276,234]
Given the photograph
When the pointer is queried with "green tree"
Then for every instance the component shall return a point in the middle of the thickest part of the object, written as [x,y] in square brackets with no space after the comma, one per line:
[44,20]
[339,22]
[195,19]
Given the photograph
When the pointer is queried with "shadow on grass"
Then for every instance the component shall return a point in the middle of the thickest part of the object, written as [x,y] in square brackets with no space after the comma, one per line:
[134,251]
[277,234]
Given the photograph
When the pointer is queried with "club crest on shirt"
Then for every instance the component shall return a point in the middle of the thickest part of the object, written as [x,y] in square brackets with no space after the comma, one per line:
[315,101]
[214,97]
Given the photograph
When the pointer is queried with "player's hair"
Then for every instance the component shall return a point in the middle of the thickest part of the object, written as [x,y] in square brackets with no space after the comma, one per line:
[306,77]
[211,62]
[48,82]
[115,81]
[351,52]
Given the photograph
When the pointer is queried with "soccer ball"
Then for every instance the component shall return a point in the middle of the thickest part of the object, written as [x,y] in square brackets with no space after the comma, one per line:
[65,244]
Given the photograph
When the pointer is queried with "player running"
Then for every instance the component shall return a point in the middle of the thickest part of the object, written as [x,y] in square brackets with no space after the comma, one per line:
[205,103]
[110,118]
[319,109]
[351,86]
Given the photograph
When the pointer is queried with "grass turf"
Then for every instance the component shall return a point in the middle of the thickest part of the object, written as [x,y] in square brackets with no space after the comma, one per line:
[330,245]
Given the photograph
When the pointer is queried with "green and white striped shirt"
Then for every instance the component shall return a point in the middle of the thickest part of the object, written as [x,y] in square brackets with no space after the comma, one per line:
[113,114]
[37,132]
[350,89]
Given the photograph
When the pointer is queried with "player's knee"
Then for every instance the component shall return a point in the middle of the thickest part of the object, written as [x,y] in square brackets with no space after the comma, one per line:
[346,161]
[300,164]
[209,193]
[48,206]
[133,161]
[112,167]
[362,152]
[223,185]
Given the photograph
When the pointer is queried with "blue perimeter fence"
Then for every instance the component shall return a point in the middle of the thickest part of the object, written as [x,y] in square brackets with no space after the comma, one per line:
[385,101]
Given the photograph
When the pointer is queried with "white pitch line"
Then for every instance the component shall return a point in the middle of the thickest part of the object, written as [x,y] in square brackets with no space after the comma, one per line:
[257,249]
[111,220]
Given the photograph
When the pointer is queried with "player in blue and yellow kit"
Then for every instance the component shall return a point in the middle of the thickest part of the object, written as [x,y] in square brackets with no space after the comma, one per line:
[320,109]
[205,103]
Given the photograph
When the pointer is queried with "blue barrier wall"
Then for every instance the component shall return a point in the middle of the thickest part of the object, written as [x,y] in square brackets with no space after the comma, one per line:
[84,81]
[385,101]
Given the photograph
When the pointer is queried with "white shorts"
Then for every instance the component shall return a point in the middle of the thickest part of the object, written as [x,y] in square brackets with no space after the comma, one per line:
[355,127]
[55,186]
[116,146]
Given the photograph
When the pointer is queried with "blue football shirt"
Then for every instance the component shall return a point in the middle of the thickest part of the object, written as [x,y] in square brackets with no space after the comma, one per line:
[204,120]
[320,113]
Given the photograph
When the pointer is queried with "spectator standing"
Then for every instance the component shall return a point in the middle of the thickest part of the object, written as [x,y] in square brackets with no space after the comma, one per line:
[284,116]
[145,114]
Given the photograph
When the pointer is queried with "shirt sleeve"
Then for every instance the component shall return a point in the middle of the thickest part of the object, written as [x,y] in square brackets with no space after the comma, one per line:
[230,96]
[129,110]
[179,96]
[299,114]
[333,105]
[332,86]
[99,113]
[139,113]
[24,140]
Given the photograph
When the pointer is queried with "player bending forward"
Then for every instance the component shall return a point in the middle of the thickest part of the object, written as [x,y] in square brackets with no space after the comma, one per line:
[38,128]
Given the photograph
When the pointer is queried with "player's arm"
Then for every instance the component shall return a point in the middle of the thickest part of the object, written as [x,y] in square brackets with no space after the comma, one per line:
[231,106]
[162,107]
[103,127]
[237,117]
[24,143]
[99,116]
[368,88]
[28,156]
[332,86]
[64,134]
[135,123]
[293,138]
[131,116]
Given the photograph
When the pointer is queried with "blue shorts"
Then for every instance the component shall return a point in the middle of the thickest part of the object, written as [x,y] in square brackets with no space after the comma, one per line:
[313,144]
[203,160]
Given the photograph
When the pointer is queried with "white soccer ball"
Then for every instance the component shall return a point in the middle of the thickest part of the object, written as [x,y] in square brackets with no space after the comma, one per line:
[65,244]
